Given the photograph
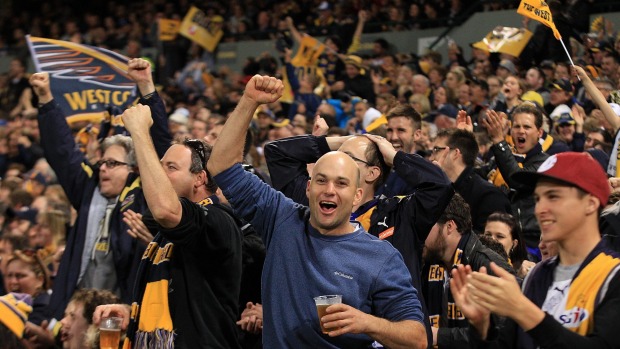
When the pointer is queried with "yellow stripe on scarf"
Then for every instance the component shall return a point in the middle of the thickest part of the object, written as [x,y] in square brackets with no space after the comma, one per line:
[584,291]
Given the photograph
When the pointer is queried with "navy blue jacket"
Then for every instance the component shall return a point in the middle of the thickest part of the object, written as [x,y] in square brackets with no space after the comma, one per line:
[79,180]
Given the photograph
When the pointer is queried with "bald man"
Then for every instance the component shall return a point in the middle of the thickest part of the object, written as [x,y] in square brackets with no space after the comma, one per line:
[316,250]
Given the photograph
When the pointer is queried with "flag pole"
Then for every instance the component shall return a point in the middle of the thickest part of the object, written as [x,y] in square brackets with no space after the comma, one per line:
[569,57]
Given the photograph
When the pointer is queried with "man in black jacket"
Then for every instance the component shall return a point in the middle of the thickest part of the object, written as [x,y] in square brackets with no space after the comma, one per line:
[456,151]
[526,130]
[451,242]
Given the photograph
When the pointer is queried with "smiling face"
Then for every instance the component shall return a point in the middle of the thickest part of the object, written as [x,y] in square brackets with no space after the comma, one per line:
[401,134]
[566,132]
[560,210]
[112,179]
[332,192]
[524,132]
[74,326]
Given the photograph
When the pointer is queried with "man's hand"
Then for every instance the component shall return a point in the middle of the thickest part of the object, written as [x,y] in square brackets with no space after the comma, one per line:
[137,118]
[463,121]
[439,159]
[139,70]
[320,127]
[263,89]
[495,126]
[502,295]
[477,315]
[116,310]
[137,229]
[252,318]
[38,336]
[343,318]
[40,83]
[385,147]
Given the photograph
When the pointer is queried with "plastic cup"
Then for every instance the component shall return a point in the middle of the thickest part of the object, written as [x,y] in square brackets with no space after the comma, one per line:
[322,302]
[110,332]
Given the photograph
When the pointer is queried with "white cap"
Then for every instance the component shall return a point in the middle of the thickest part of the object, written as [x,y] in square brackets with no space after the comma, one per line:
[559,110]
[371,115]
[180,116]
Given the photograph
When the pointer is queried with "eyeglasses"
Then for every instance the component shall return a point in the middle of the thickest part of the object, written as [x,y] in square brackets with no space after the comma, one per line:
[438,149]
[110,163]
[199,147]
[360,160]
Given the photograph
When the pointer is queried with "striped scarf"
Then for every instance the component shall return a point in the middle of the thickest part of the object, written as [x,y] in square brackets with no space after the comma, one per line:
[151,324]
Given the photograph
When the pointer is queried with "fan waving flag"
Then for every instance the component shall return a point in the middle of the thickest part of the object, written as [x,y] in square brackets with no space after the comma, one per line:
[539,10]
[86,81]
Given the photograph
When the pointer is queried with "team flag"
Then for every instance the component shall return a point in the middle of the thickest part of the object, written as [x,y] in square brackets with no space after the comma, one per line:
[168,29]
[505,40]
[86,81]
[206,32]
[539,10]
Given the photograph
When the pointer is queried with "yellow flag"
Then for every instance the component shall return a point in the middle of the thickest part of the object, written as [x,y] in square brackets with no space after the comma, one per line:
[168,29]
[505,40]
[308,53]
[539,10]
[203,30]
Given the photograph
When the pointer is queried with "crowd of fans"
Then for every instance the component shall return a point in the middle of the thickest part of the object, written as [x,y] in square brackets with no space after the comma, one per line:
[480,119]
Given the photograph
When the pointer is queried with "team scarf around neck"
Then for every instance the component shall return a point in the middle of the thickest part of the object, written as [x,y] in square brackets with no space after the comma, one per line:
[151,324]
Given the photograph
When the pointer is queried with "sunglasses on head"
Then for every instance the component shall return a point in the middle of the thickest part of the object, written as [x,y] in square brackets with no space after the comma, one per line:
[199,147]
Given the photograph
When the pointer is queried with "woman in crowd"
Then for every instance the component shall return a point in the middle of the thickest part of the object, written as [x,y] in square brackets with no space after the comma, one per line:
[503,228]
[512,90]
[25,273]
[51,234]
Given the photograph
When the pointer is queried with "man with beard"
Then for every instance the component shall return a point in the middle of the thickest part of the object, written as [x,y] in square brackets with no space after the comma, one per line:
[451,242]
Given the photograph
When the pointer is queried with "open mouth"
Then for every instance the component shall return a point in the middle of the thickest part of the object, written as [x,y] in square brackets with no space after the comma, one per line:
[327,207]
[520,141]
[506,91]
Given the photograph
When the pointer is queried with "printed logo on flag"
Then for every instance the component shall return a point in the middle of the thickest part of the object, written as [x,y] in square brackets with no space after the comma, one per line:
[85,80]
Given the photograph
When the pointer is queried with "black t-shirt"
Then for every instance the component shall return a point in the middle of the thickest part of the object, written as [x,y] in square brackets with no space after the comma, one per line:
[203,293]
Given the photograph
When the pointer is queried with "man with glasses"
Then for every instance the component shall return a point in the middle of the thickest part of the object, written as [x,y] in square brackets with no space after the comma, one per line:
[187,289]
[455,152]
[403,220]
[99,252]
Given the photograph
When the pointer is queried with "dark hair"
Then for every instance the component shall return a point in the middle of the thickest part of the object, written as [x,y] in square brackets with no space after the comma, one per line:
[20,197]
[494,245]
[383,43]
[465,142]
[528,108]
[91,298]
[407,111]
[457,211]
[519,253]
[197,160]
